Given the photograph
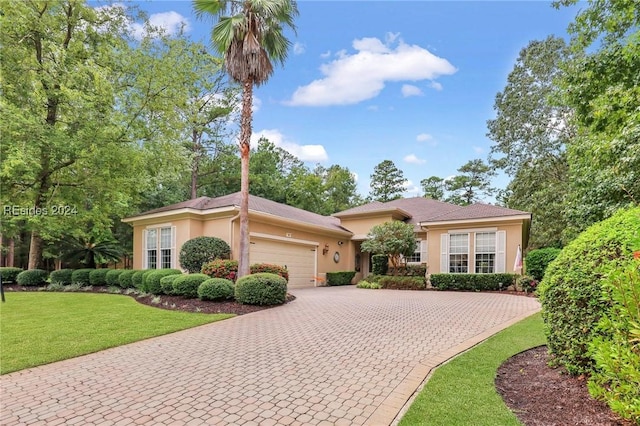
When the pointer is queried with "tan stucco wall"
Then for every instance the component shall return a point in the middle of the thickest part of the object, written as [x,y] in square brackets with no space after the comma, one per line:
[362,226]
[513,239]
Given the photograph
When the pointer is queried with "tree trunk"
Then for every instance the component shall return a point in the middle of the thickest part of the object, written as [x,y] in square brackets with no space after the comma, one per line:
[195,166]
[35,251]
[245,147]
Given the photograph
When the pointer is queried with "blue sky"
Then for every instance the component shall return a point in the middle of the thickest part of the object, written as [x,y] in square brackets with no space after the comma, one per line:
[409,81]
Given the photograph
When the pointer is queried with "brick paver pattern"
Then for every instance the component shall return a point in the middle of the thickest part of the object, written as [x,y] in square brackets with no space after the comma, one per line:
[331,357]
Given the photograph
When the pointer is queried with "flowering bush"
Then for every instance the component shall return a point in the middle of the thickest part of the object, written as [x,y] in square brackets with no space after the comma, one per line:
[527,284]
[258,268]
[221,268]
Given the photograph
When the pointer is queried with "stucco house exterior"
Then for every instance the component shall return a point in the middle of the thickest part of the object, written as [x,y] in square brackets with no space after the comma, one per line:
[478,238]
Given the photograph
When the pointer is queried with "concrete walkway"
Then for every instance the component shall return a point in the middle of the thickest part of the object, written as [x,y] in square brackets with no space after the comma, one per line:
[334,356]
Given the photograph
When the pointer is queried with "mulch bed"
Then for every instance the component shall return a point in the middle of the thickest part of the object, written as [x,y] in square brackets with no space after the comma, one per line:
[542,396]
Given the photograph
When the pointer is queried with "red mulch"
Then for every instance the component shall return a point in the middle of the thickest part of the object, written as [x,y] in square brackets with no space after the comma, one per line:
[543,396]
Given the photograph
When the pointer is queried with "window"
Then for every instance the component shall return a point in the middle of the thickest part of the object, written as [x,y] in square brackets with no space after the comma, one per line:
[485,252]
[159,248]
[459,253]
[416,257]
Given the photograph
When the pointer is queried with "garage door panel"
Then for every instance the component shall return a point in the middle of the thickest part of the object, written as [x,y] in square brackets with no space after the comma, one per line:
[300,260]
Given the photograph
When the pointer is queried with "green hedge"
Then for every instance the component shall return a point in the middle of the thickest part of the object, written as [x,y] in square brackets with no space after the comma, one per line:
[82,276]
[98,276]
[401,283]
[137,277]
[259,268]
[125,278]
[113,277]
[379,264]
[571,293]
[340,277]
[166,284]
[152,280]
[61,277]
[8,274]
[145,274]
[197,251]
[216,289]
[409,271]
[186,285]
[473,282]
[32,277]
[537,261]
[261,289]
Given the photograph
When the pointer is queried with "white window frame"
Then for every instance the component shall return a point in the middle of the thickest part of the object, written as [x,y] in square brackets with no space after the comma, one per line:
[449,267]
[482,252]
[159,247]
[419,253]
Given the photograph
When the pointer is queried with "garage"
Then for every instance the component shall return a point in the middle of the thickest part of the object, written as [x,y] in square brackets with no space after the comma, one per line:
[300,259]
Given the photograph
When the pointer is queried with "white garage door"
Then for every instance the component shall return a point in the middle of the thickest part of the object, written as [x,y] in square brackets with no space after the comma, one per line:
[299,259]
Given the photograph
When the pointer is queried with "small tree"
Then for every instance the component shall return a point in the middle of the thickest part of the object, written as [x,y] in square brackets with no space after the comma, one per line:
[394,239]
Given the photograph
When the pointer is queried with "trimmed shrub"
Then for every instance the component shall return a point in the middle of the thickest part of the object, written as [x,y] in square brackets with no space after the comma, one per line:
[258,268]
[125,278]
[197,251]
[137,277]
[166,283]
[81,276]
[113,277]
[61,277]
[98,276]
[32,277]
[152,280]
[616,378]
[216,289]
[409,271]
[8,274]
[473,282]
[537,261]
[571,292]
[221,268]
[261,289]
[527,284]
[143,287]
[367,284]
[340,278]
[186,285]
[402,283]
[379,264]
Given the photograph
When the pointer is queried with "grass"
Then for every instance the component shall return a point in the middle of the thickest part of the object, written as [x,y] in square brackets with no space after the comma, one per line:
[38,328]
[462,391]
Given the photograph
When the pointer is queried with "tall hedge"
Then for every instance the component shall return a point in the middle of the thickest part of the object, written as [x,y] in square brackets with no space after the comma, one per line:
[571,292]
[197,251]
[537,261]
[380,264]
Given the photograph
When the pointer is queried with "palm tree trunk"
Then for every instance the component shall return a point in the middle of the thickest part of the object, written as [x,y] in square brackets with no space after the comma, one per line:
[245,147]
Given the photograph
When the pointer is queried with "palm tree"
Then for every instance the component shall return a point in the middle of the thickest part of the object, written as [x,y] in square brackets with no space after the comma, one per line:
[250,35]
[90,251]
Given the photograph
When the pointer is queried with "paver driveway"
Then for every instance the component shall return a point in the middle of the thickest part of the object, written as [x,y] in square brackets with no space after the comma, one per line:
[334,356]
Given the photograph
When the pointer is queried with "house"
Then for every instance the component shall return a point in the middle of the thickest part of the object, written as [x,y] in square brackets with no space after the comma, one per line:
[478,238]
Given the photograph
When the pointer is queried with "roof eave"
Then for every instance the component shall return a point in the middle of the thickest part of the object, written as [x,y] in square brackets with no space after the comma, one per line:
[476,220]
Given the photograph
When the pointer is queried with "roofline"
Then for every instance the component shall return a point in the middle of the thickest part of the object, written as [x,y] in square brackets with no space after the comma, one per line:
[481,220]
[375,212]
[184,210]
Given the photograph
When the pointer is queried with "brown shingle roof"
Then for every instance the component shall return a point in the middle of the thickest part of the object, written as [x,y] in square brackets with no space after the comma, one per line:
[257,204]
[476,211]
[421,208]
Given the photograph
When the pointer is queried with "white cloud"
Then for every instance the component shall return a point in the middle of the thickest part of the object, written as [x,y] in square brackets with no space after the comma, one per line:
[413,159]
[411,188]
[372,108]
[355,77]
[478,149]
[169,23]
[298,48]
[423,137]
[326,54]
[411,90]
[435,85]
[311,153]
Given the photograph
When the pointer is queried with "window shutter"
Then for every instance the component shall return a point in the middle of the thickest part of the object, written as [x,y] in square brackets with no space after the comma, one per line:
[444,253]
[501,244]
[173,248]
[144,249]
[423,251]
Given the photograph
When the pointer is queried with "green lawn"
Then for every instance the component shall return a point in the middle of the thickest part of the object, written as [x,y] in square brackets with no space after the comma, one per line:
[462,392]
[38,328]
